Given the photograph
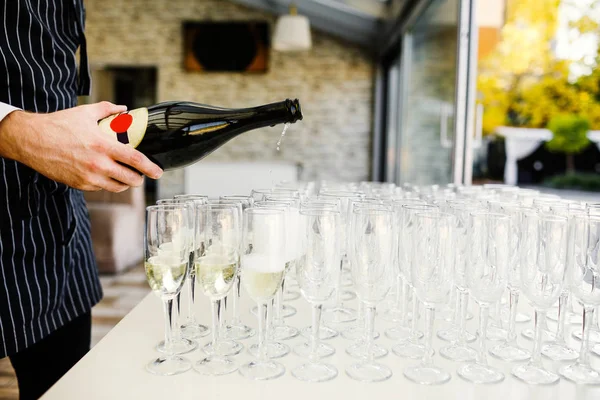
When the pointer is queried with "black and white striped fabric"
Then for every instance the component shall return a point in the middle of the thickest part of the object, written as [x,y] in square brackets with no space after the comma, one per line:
[48,274]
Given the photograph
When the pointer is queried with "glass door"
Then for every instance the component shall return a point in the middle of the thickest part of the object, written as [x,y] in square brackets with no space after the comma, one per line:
[434,94]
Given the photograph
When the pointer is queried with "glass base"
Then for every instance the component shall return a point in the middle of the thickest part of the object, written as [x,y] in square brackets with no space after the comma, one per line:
[369,372]
[494,332]
[347,295]
[178,346]
[559,352]
[194,331]
[510,352]
[581,374]
[325,333]
[427,375]
[224,348]
[357,333]
[284,332]
[451,335]
[447,314]
[323,350]
[291,295]
[170,365]
[274,350]
[215,365]
[392,315]
[547,336]
[596,349]
[237,332]
[480,373]
[535,375]
[519,318]
[594,335]
[458,352]
[258,370]
[570,318]
[410,349]
[400,333]
[315,372]
[359,350]
[340,315]
[347,282]
[286,311]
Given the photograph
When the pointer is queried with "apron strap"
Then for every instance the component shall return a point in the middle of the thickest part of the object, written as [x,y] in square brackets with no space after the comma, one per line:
[84,78]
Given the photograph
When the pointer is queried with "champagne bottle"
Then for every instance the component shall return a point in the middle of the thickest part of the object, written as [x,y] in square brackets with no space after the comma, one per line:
[177,134]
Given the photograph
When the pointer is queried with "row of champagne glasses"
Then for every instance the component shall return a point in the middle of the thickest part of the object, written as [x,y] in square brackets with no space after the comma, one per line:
[403,211]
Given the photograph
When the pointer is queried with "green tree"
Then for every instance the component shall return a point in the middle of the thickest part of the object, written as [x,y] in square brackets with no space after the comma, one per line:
[569,136]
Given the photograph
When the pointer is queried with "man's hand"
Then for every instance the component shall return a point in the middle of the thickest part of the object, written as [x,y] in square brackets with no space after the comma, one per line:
[68,146]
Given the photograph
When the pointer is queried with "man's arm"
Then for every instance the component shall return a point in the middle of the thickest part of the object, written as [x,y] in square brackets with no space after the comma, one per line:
[68,146]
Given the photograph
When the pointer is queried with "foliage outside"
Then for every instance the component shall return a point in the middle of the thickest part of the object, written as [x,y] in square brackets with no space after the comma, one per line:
[521,83]
[569,136]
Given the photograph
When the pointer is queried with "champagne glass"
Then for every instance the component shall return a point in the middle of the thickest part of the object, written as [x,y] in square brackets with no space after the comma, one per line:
[370,248]
[410,347]
[459,350]
[216,268]
[281,330]
[190,329]
[509,350]
[432,270]
[325,332]
[340,313]
[486,276]
[583,277]
[398,312]
[179,344]
[236,329]
[263,267]
[558,350]
[317,272]
[167,253]
[543,254]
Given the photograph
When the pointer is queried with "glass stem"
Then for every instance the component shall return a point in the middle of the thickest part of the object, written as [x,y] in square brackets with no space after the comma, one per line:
[511,337]
[562,312]
[192,298]
[370,329]
[398,302]
[315,340]
[429,318]
[484,313]
[222,311]
[270,319]
[536,354]
[584,353]
[176,330]
[262,332]
[278,320]
[168,311]
[595,325]
[216,307]
[463,298]
[456,304]
[415,317]
[236,298]
[406,294]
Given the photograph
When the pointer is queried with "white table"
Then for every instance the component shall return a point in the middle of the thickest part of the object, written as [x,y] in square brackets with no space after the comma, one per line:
[115,369]
[521,142]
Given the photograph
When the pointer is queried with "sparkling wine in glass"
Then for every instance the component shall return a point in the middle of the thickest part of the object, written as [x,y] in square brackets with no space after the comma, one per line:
[167,249]
[263,268]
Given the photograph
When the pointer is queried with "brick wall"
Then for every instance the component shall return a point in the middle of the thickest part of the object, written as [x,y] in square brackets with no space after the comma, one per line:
[334,82]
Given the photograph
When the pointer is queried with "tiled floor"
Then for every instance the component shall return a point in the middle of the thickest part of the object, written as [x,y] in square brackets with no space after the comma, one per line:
[121,294]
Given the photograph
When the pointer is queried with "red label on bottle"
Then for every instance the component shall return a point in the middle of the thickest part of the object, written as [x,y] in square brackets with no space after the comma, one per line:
[121,123]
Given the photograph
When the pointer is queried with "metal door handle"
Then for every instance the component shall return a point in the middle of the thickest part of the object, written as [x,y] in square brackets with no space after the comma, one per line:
[444,113]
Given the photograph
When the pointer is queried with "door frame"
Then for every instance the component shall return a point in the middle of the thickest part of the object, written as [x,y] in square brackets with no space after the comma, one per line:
[397,44]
